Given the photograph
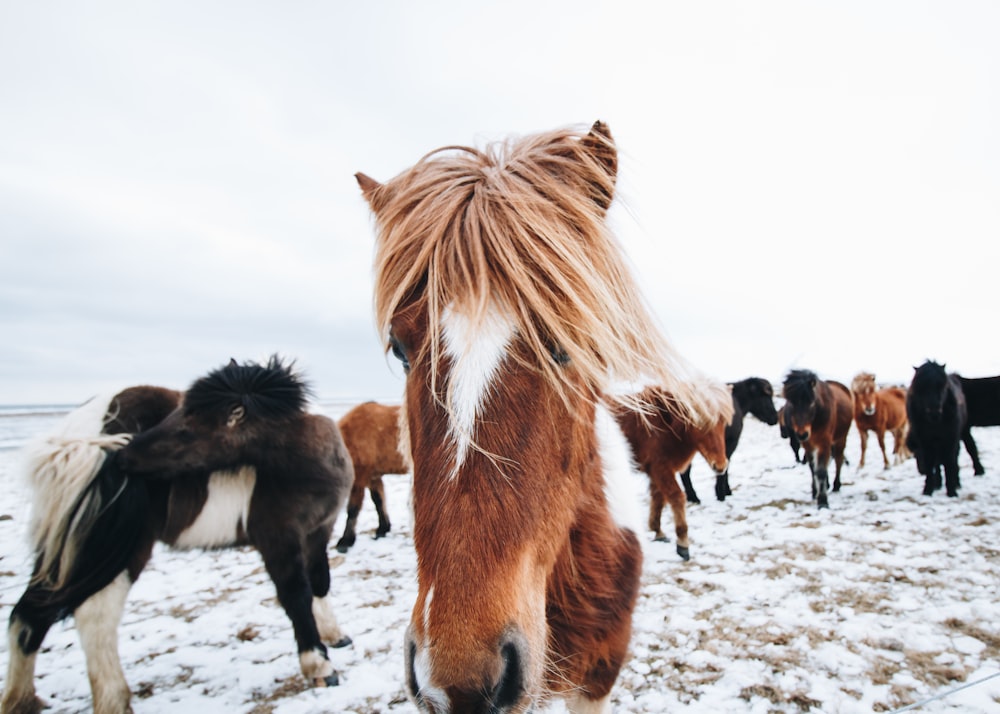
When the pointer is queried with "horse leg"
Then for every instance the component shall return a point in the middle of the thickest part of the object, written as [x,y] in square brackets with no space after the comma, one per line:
[678,505]
[579,704]
[970,446]
[286,564]
[377,491]
[951,481]
[863,433]
[692,497]
[880,434]
[722,486]
[656,501]
[26,630]
[319,582]
[97,622]
[821,477]
[838,460]
[354,501]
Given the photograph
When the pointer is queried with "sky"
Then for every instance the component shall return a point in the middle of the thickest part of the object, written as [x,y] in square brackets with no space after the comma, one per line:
[802,184]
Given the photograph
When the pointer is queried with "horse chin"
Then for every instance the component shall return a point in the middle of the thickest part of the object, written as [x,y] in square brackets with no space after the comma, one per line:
[869,411]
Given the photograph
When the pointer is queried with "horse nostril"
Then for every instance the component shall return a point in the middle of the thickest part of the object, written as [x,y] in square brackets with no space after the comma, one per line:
[803,436]
[510,688]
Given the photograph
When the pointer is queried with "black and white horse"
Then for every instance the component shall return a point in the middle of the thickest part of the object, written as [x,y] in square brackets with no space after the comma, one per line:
[753,395]
[237,459]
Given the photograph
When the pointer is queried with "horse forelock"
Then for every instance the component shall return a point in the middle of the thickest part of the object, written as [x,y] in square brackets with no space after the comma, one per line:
[519,229]
[268,391]
[798,387]
[863,382]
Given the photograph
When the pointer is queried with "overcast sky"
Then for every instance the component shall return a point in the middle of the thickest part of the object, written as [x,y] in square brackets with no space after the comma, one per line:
[803,184]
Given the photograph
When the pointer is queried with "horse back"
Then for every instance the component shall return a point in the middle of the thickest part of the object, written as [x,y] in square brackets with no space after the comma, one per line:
[371,432]
[982,399]
[841,409]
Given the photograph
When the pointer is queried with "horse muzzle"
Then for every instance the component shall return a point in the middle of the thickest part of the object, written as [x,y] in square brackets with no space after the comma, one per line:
[502,688]
[802,436]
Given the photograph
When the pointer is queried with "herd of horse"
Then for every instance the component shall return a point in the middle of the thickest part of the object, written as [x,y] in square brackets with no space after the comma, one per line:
[502,292]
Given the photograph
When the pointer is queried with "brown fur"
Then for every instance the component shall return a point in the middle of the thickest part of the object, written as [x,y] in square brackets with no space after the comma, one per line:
[663,445]
[819,413]
[371,434]
[880,410]
[526,585]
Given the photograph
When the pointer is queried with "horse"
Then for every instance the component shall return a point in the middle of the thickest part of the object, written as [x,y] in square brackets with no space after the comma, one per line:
[880,410]
[236,459]
[371,434]
[982,399]
[819,412]
[939,419]
[753,395]
[663,445]
[502,291]
[787,433]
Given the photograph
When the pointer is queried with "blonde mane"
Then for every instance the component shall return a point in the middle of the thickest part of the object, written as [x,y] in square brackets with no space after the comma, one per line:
[518,228]
[863,382]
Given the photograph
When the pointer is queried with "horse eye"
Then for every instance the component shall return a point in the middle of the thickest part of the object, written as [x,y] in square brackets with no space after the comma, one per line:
[399,353]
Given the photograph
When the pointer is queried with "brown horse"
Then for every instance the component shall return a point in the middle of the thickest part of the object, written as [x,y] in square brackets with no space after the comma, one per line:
[880,410]
[663,445]
[371,433]
[819,413]
[501,290]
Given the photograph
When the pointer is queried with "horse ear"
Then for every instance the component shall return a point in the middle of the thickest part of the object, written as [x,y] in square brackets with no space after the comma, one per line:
[236,415]
[232,362]
[601,146]
[369,187]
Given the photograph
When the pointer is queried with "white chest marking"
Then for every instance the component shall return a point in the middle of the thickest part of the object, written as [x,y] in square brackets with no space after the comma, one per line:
[619,465]
[225,512]
[475,359]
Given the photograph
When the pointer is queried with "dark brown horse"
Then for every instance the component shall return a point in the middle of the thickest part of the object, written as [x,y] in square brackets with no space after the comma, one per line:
[507,300]
[663,445]
[880,410]
[819,413]
[371,434]
[236,459]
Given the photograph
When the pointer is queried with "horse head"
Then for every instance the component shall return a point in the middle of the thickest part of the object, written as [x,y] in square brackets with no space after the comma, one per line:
[226,419]
[863,390]
[502,293]
[799,391]
[755,395]
[928,392]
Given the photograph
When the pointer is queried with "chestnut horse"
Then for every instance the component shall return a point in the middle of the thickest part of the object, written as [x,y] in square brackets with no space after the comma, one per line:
[663,445]
[880,410]
[371,434]
[819,413]
[235,460]
[500,288]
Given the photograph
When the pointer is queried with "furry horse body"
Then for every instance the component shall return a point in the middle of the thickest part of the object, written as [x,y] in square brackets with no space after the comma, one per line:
[753,395]
[503,294]
[663,445]
[234,460]
[880,410]
[938,417]
[819,413]
[371,434]
[982,399]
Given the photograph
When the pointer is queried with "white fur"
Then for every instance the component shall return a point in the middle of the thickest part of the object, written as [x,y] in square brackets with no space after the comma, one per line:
[619,465]
[226,510]
[581,705]
[314,665]
[422,679]
[326,621]
[475,359]
[97,622]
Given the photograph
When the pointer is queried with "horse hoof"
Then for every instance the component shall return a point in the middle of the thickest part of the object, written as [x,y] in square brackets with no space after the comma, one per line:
[823,504]
[342,642]
[332,681]
[683,552]
[952,494]
[694,500]
[979,471]
[343,548]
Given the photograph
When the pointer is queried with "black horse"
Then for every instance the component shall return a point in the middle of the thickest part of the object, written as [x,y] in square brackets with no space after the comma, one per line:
[752,395]
[938,417]
[982,398]
[237,459]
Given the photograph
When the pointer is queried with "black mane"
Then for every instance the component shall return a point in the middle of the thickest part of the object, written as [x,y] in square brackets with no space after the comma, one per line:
[798,385]
[270,391]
